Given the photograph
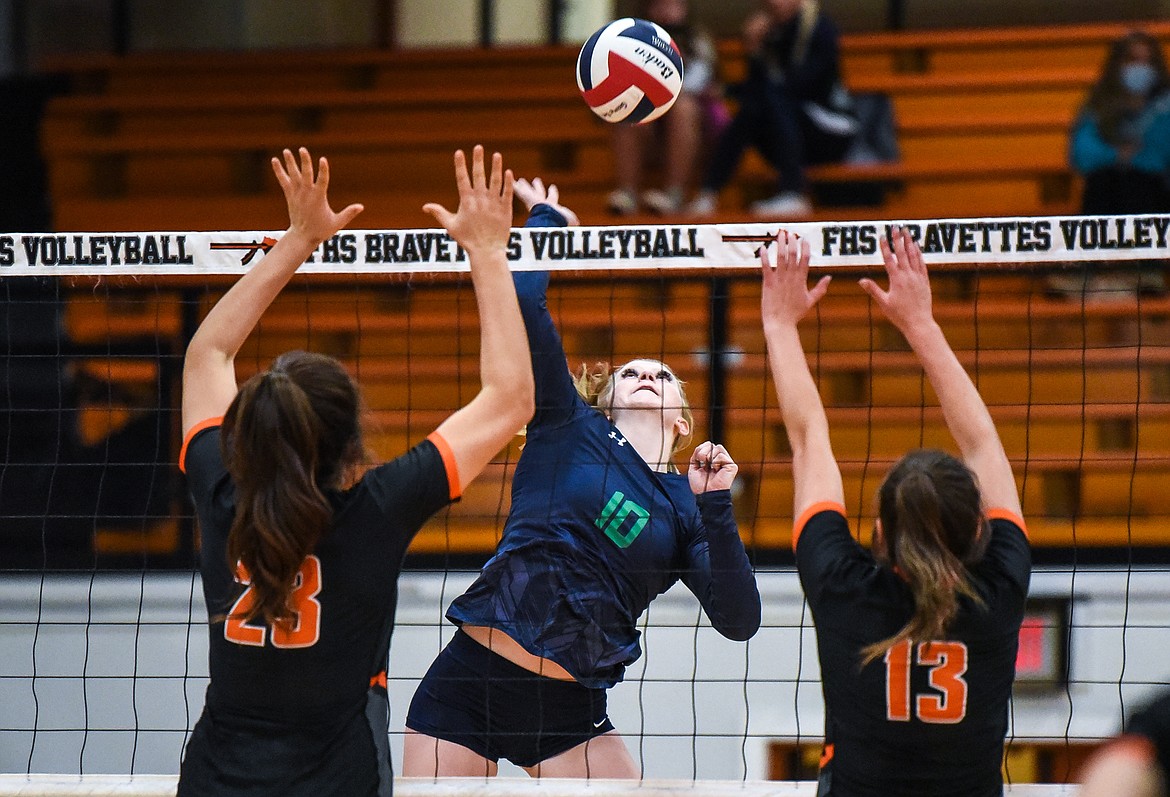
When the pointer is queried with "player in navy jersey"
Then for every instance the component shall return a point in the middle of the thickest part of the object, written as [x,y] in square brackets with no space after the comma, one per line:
[917,640]
[1136,763]
[299,560]
[601,522]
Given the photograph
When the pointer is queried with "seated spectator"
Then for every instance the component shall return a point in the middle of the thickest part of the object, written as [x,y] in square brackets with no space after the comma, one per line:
[678,134]
[1120,143]
[1121,139]
[793,106]
[1136,763]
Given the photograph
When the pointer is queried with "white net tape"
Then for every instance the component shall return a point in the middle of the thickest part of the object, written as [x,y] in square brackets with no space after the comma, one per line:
[1052,239]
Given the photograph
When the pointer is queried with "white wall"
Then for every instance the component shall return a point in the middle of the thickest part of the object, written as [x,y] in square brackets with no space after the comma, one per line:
[112,653]
[427,23]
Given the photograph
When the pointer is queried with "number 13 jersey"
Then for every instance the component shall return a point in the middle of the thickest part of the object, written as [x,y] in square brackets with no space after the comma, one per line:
[926,719]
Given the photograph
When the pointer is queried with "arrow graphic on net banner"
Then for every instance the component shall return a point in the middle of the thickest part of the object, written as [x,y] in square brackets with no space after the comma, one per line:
[766,240]
[251,247]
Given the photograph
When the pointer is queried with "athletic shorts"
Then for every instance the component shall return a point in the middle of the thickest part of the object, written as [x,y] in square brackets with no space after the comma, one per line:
[497,709]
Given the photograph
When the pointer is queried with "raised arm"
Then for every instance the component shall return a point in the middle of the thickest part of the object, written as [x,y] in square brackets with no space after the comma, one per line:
[785,300]
[556,395]
[482,225]
[907,304]
[209,373]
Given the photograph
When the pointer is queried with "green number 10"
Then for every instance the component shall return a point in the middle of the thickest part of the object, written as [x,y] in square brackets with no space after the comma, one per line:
[614,516]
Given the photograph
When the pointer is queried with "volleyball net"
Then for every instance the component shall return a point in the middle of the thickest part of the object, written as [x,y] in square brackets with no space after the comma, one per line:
[1062,322]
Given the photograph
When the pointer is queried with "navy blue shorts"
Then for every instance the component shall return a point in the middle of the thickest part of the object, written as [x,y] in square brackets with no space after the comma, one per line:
[480,700]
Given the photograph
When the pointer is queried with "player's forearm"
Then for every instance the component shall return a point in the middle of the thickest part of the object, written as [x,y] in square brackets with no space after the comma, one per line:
[504,361]
[800,402]
[732,598]
[233,317]
[963,408]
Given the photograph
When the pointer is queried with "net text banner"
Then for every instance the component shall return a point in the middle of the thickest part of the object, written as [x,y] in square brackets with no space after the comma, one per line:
[1053,239]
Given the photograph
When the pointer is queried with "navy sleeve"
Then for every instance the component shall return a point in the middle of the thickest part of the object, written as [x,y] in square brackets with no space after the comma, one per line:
[718,572]
[556,396]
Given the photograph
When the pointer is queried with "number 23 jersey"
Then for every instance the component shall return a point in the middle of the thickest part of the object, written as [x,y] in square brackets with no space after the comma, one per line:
[302,710]
[926,719]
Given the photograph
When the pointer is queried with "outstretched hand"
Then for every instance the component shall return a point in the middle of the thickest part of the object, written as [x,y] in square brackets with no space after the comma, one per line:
[534,193]
[786,297]
[711,468]
[309,213]
[483,221]
[907,302]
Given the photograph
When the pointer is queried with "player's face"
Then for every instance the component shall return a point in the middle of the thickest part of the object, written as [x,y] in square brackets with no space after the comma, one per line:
[646,384]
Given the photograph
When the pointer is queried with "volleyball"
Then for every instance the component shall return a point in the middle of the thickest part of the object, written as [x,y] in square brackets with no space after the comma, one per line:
[630,71]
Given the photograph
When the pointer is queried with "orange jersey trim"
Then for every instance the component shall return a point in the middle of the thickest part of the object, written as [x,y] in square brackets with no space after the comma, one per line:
[196,429]
[456,489]
[826,756]
[806,515]
[1006,514]
[378,680]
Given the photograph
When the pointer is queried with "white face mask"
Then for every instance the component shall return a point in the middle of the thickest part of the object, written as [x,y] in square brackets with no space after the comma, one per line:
[1138,78]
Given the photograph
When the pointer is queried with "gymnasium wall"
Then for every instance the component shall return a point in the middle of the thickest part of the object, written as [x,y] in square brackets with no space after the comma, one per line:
[250,24]
[115,652]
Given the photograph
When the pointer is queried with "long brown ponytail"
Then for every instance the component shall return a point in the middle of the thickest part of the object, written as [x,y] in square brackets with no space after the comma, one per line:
[932,529]
[288,436]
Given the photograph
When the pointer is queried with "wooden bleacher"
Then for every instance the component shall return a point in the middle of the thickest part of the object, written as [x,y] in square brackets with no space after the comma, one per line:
[182,142]
[1081,391]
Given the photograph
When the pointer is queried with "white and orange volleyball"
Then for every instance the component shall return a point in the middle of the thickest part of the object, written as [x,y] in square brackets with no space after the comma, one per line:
[630,71]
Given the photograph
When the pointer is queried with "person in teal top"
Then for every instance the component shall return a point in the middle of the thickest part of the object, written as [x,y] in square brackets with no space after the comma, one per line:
[1121,139]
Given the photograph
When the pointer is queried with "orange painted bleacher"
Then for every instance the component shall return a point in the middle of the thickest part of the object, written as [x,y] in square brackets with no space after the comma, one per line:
[167,139]
[1081,391]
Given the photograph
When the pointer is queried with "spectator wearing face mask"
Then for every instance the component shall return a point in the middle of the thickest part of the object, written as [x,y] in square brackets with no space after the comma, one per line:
[1121,139]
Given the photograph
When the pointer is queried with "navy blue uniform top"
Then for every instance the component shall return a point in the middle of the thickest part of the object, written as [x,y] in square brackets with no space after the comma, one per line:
[928,719]
[305,712]
[594,534]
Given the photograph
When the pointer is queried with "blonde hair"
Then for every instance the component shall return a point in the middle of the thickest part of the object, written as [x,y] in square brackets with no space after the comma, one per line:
[595,385]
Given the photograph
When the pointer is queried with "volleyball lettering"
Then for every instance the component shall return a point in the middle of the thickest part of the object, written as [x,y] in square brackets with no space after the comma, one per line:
[630,71]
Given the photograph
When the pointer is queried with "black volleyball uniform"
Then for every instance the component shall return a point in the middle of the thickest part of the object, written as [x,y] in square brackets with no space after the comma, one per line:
[927,719]
[304,710]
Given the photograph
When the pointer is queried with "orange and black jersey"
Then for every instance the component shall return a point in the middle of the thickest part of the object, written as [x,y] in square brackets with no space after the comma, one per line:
[302,709]
[927,719]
